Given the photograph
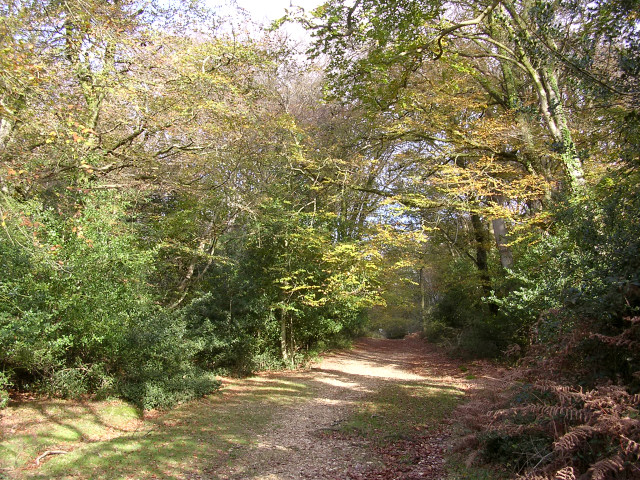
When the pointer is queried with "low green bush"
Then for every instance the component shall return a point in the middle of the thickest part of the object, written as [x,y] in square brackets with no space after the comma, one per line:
[439,332]
[5,384]
[159,363]
[224,343]
[516,452]
[478,341]
[167,392]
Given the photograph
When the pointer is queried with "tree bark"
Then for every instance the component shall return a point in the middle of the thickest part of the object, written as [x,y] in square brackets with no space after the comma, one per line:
[500,234]
[283,335]
[545,83]
[422,293]
[5,130]
[481,236]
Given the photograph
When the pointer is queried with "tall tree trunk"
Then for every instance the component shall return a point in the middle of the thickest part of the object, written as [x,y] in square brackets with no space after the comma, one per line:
[500,234]
[207,245]
[562,135]
[422,293]
[545,84]
[499,227]
[283,335]
[483,245]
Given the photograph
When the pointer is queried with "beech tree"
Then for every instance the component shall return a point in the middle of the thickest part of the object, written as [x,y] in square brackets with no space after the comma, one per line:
[382,43]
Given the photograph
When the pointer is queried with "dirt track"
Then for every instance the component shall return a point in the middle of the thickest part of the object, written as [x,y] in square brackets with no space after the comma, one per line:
[379,411]
[296,444]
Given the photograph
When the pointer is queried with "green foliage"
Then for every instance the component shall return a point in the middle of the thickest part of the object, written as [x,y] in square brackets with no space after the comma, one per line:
[158,358]
[439,332]
[387,30]
[462,318]
[400,313]
[74,284]
[72,382]
[184,217]
[5,384]
[225,342]
[516,452]
[78,314]
[483,338]
[574,290]
[166,392]
[583,276]
[460,301]
[457,469]
[284,270]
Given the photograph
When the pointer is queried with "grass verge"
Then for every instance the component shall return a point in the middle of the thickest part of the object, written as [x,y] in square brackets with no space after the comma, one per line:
[399,410]
[406,424]
[111,440]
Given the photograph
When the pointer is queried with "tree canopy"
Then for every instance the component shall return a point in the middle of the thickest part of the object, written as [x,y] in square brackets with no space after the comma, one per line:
[182,195]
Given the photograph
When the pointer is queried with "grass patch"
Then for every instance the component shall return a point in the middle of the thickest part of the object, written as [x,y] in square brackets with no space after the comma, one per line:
[31,428]
[399,410]
[111,440]
[403,411]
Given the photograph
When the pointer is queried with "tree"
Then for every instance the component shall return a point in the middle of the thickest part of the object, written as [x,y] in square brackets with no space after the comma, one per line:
[382,43]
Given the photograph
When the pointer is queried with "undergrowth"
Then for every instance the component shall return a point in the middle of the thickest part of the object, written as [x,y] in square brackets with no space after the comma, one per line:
[549,428]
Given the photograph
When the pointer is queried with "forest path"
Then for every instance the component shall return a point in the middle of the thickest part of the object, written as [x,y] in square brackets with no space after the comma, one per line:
[379,411]
[318,438]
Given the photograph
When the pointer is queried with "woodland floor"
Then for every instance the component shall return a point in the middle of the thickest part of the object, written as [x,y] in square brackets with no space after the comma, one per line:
[382,410]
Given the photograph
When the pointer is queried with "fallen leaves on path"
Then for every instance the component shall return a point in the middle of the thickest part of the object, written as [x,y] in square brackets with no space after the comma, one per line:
[307,440]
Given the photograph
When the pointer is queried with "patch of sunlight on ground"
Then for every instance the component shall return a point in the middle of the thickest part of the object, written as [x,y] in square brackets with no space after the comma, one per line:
[390,371]
[333,401]
[271,446]
[339,383]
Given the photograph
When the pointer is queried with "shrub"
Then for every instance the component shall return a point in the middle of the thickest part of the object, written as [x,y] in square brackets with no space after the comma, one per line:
[77,312]
[67,383]
[167,392]
[465,319]
[593,433]
[515,451]
[5,384]
[396,331]
[437,331]
[158,363]
[479,341]
[223,342]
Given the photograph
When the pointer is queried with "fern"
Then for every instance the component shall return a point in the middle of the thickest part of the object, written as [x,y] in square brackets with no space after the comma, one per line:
[551,411]
[574,439]
[630,447]
[618,341]
[575,418]
[600,470]
[592,434]
[566,473]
